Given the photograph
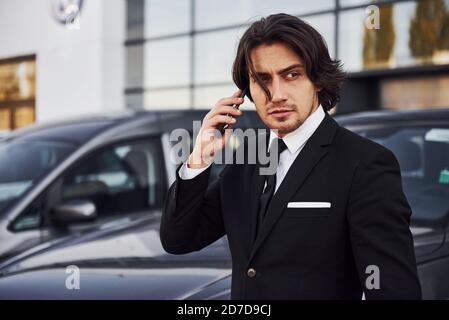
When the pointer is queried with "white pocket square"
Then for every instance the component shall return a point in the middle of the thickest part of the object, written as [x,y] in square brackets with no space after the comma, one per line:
[309,205]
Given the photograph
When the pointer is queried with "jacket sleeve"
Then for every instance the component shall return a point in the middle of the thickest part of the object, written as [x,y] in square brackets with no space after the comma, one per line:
[379,219]
[191,217]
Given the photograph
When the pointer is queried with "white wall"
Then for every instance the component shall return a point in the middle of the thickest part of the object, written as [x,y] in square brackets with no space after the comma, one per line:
[77,71]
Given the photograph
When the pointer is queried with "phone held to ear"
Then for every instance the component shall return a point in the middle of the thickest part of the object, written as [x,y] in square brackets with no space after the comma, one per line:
[223,127]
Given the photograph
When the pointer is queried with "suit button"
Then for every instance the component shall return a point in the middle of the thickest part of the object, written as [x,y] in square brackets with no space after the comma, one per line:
[251,273]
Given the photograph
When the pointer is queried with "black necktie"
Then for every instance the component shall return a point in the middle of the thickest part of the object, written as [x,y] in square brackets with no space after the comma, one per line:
[268,192]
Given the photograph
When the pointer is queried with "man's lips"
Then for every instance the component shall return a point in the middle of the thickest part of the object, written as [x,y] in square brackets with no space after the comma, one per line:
[280,112]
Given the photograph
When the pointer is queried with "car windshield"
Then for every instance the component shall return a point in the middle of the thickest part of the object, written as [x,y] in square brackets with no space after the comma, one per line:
[423,155]
[24,163]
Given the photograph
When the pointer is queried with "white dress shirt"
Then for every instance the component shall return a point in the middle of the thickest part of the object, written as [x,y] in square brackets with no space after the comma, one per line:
[294,141]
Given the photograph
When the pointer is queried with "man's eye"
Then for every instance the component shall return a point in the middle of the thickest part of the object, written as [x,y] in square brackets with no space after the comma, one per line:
[293,75]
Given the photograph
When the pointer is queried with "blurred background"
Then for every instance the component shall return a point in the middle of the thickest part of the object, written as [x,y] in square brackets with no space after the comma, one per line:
[63,58]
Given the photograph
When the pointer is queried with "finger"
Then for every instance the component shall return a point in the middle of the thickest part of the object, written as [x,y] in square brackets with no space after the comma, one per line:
[230,101]
[220,119]
[224,110]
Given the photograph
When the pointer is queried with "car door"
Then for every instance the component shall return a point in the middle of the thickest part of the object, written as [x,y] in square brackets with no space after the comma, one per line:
[120,179]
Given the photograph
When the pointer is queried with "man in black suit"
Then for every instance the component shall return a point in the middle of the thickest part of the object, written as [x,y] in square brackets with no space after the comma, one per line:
[332,222]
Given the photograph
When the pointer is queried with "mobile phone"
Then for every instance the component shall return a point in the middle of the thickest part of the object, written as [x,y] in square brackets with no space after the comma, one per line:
[223,127]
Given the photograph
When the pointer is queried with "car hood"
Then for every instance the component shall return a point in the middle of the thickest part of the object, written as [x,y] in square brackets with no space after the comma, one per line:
[157,283]
[126,262]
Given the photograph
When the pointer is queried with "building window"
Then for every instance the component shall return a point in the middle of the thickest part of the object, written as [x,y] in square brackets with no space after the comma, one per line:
[180,52]
[421,92]
[164,17]
[410,34]
[17,92]
[213,62]
[167,63]
[172,56]
[218,14]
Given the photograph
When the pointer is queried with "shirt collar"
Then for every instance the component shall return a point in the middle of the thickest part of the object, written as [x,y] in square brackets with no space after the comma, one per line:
[297,138]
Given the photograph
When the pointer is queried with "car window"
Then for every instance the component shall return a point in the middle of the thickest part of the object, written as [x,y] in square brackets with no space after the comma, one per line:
[120,179]
[31,217]
[423,156]
[24,163]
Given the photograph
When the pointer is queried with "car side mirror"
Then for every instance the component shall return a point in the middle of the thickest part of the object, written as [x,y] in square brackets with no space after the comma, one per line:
[74,211]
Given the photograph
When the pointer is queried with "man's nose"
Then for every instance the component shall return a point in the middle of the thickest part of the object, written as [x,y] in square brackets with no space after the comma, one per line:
[278,93]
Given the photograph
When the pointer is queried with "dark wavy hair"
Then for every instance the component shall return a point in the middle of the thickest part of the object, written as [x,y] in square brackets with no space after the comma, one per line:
[305,41]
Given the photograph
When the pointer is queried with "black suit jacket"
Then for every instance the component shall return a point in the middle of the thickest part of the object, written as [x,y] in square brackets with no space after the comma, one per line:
[305,253]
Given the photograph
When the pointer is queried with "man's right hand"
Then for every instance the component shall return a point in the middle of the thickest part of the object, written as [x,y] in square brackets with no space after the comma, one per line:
[209,140]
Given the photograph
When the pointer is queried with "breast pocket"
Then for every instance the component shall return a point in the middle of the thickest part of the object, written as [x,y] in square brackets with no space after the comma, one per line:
[308,210]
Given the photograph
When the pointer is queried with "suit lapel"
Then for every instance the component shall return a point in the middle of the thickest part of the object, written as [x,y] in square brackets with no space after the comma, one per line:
[314,150]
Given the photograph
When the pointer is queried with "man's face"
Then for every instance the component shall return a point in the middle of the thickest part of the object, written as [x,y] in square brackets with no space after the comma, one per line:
[293,95]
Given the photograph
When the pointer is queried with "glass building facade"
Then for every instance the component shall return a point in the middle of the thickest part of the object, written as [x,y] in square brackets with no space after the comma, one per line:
[180,52]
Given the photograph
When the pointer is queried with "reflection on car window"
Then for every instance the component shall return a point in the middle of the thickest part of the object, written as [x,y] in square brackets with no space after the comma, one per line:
[24,163]
[423,155]
[119,179]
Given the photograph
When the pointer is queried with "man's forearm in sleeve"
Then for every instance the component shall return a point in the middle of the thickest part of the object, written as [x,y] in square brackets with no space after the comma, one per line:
[191,217]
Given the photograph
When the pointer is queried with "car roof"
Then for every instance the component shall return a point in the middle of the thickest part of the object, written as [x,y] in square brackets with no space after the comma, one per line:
[77,130]
[82,129]
[378,117]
